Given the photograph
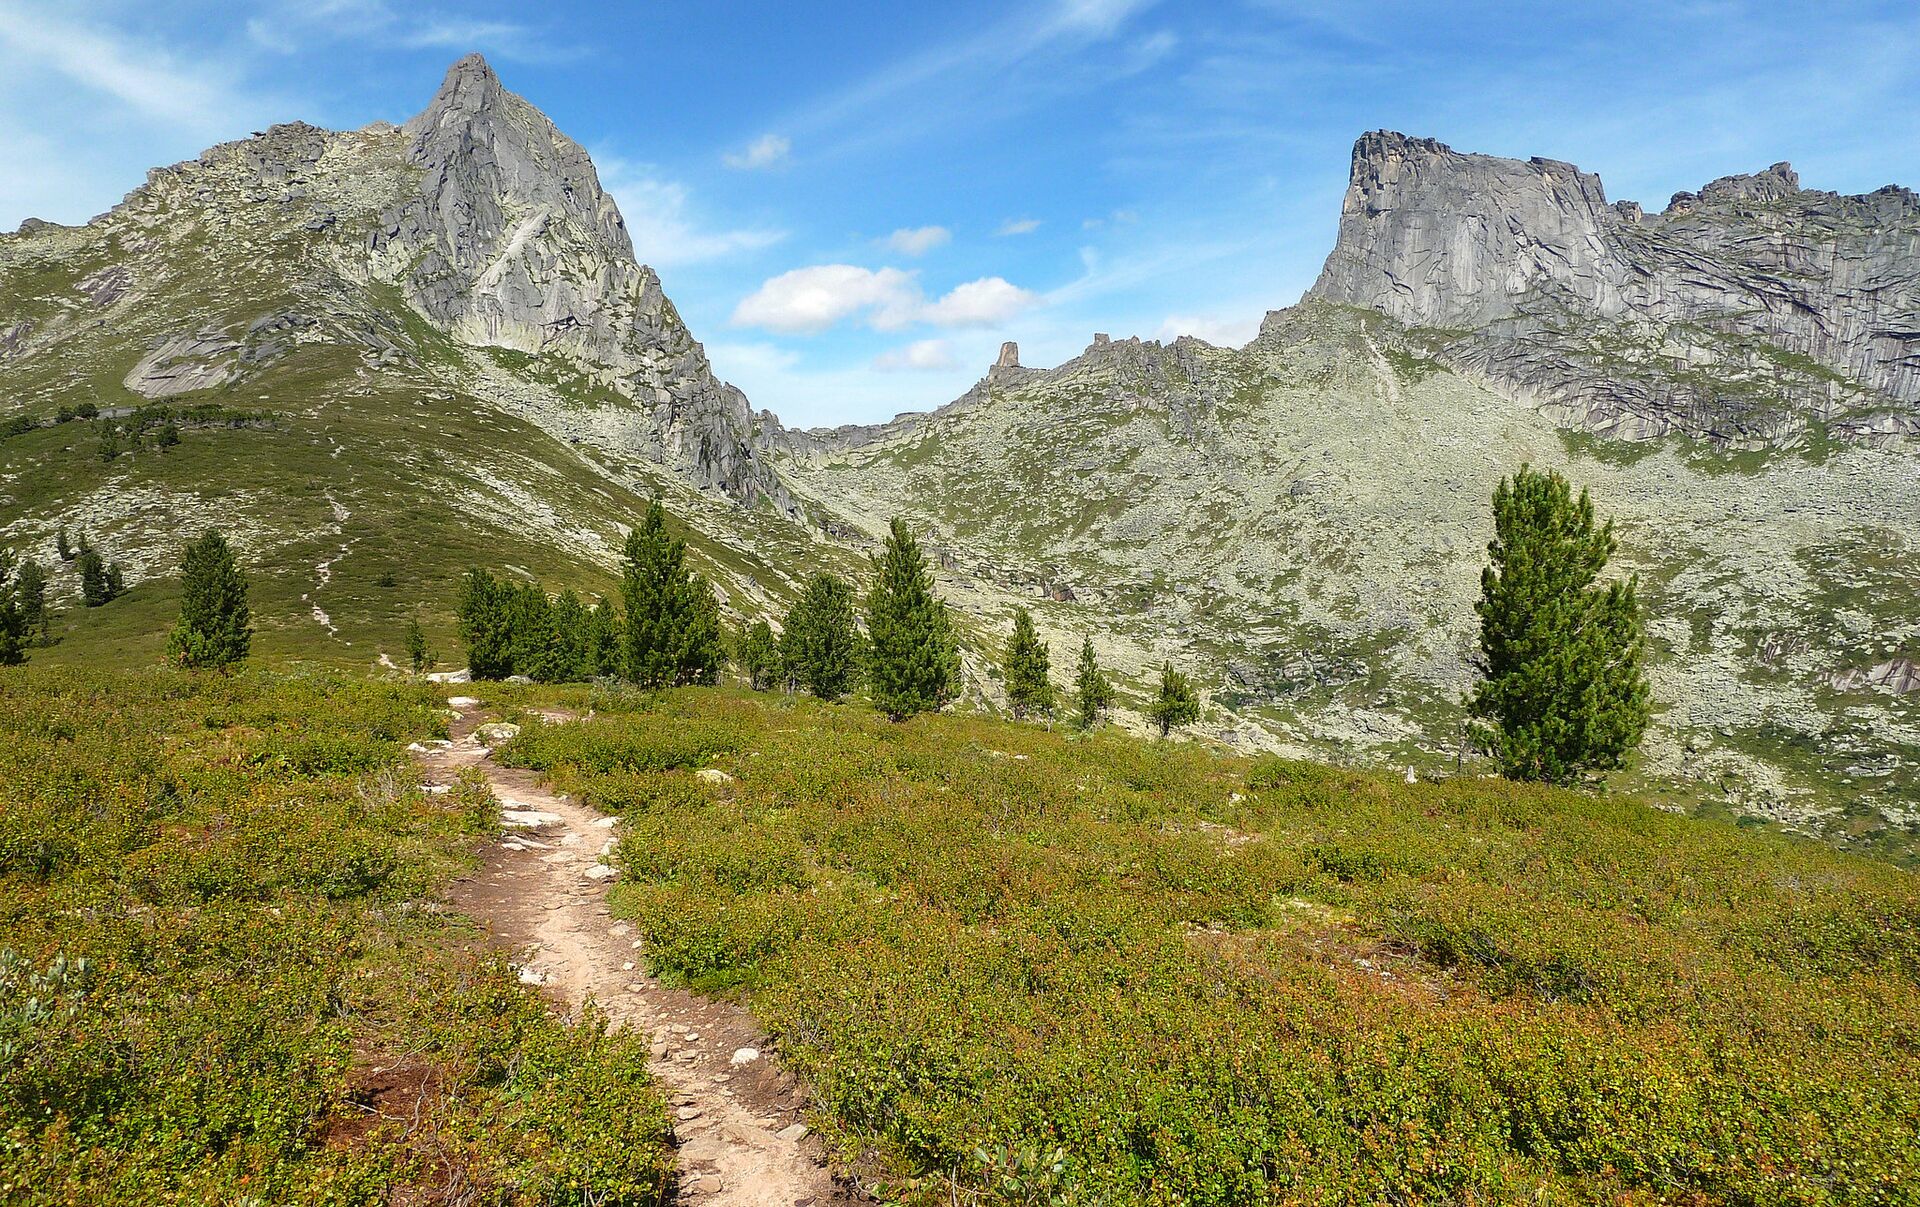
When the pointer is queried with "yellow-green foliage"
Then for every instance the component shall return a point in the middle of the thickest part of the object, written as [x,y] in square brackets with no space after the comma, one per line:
[1108,971]
[242,863]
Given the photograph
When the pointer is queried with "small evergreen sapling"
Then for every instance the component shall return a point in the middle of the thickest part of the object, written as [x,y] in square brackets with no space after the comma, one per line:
[1092,694]
[1176,704]
[96,579]
[1028,688]
[912,666]
[419,657]
[14,629]
[486,624]
[215,628]
[1562,694]
[30,588]
[672,618]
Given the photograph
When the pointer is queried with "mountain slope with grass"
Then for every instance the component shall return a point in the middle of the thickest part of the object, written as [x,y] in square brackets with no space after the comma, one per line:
[377,357]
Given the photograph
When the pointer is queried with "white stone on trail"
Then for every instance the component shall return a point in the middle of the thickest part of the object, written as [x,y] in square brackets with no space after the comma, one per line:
[527,819]
[601,871]
[794,1133]
[627,967]
[462,702]
[436,789]
[606,823]
[744,1056]
[712,775]
[496,732]
[460,676]
[529,976]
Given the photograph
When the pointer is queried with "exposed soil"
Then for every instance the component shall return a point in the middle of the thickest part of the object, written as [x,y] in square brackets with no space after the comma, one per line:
[739,1119]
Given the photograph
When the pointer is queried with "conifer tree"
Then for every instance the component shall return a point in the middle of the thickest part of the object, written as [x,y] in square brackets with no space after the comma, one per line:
[605,644]
[63,545]
[1092,694]
[30,588]
[819,645]
[703,648]
[912,665]
[96,585]
[758,657]
[13,616]
[1562,694]
[530,636]
[116,585]
[570,639]
[215,627]
[1176,704]
[419,657]
[486,624]
[673,619]
[1028,688]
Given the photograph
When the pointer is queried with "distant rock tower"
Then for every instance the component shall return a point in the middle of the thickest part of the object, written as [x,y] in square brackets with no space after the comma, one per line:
[1009,356]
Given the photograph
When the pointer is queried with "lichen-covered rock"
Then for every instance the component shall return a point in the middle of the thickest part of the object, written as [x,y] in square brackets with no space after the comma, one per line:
[1742,314]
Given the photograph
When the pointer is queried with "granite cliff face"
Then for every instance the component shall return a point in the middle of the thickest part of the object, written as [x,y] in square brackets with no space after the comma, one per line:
[512,243]
[1752,313]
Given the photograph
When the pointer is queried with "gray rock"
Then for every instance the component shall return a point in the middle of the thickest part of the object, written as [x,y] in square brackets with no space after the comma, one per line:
[512,243]
[1740,314]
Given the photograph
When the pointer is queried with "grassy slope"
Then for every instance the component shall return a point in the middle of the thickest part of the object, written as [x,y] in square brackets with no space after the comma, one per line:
[1114,971]
[274,1011]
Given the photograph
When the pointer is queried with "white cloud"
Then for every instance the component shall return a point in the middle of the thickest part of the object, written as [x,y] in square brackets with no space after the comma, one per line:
[1018,226]
[923,356]
[813,299]
[660,221]
[918,241]
[141,76]
[1215,329]
[767,151]
[810,300]
[293,26]
[983,303]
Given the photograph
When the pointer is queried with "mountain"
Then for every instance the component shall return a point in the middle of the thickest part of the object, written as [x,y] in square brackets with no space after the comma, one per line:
[398,351]
[1751,313]
[392,352]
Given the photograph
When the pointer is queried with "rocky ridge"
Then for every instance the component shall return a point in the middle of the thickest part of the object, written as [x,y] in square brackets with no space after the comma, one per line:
[1751,313]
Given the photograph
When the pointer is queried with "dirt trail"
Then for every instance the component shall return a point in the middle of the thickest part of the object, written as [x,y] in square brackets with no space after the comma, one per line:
[737,1116]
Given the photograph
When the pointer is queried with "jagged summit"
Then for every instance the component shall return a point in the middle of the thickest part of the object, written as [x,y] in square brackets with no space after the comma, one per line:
[1743,313]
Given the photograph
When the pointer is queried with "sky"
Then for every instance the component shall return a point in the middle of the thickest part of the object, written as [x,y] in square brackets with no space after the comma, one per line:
[853,204]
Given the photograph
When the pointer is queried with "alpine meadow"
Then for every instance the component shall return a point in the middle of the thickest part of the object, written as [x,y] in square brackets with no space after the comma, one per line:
[1449,740]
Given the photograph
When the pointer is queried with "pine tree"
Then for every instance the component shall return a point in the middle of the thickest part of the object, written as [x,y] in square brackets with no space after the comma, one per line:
[215,627]
[96,586]
[758,656]
[1092,694]
[116,585]
[1176,704]
[1028,688]
[605,641]
[1562,694]
[570,632]
[168,435]
[530,636]
[912,665]
[14,629]
[63,545]
[419,657]
[673,619]
[819,645]
[30,588]
[486,624]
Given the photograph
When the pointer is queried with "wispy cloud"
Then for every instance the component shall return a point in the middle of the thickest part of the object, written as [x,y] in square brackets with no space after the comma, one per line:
[661,220]
[293,26]
[1018,226]
[136,73]
[917,241]
[920,356]
[767,151]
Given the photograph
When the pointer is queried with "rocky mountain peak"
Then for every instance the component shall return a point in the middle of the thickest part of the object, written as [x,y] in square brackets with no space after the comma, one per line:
[1743,313]
[512,242]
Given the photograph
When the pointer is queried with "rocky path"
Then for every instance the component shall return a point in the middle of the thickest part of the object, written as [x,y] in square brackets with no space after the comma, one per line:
[738,1119]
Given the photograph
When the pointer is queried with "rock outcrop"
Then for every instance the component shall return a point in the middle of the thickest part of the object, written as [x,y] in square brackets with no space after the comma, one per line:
[1743,313]
[513,243]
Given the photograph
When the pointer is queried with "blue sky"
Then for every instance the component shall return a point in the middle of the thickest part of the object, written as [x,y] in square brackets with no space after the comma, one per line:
[853,204]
